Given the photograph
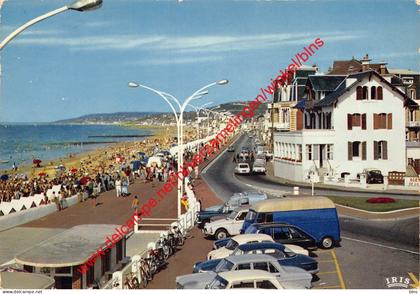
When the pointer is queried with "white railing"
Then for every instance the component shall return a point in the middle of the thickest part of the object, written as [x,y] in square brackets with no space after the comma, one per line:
[413,124]
[27,202]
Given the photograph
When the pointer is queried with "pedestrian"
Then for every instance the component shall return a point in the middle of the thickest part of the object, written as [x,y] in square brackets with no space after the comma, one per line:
[135,204]
[234,159]
[118,186]
[184,201]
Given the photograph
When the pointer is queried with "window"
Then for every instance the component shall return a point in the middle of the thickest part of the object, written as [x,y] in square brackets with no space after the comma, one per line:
[365,93]
[356,120]
[281,233]
[330,151]
[379,93]
[243,285]
[380,150]
[359,93]
[356,149]
[309,152]
[382,121]
[295,233]
[261,266]
[265,285]
[245,266]
[373,93]
[269,218]
[241,216]
[272,268]
[299,152]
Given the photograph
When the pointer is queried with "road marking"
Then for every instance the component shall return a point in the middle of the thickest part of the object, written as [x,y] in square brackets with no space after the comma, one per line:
[337,266]
[326,273]
[381,245]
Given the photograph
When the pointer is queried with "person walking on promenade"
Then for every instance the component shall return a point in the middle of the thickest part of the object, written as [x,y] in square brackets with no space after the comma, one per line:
[118,186]
[56,200]
[234,159]
[135,204]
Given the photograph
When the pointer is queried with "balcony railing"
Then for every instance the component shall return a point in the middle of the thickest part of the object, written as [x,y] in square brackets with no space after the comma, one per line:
[413,124]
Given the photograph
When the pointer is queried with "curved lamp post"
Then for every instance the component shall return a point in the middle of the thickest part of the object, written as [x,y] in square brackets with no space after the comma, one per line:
[197,111]
[170,99]
[80,5]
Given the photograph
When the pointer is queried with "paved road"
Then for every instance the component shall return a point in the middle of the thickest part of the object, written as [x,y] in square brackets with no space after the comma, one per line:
[370,251]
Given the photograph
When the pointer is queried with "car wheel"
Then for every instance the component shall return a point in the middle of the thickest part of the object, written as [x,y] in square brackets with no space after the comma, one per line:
[221,234]
[327,242]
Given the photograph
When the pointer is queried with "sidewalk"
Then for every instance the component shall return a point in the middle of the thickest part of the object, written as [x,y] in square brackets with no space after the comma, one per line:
[277,180]
[195,249]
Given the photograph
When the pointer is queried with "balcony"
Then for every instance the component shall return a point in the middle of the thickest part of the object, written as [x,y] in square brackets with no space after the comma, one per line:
[413,124]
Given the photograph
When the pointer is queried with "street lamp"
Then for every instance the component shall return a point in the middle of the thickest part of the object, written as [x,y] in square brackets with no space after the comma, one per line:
[179,121]
[80,5]
[197,111]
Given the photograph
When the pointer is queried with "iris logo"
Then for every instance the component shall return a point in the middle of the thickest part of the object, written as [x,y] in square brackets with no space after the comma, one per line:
[401,282]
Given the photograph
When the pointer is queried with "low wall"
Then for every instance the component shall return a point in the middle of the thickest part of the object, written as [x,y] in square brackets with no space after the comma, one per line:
[28,215]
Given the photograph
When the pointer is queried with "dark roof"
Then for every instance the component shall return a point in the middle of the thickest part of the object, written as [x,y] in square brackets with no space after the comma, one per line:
[359,76]
[304,73]
[261,245]
[341,67]
[325,82]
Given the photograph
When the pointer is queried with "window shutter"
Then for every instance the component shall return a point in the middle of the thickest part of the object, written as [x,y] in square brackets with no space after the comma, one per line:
[380,94]
[375,121]
[359,93]
[375,150]
[364,150]
[364,121]
[350,150]
[349,121]
[385,149]
[389,126]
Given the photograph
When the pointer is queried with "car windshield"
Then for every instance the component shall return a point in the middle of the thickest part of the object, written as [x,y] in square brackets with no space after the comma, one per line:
[243,165]
[289,252]
[224,266]
[377,172]
[233,214]
[232,244]
[250,216]
[217,283]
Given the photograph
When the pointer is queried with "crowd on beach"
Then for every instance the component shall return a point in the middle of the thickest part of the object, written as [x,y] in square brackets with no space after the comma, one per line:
[98,172]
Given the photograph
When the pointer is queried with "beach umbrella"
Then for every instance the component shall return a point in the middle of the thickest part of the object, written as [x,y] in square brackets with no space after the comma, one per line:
[37,162]
[42,174]
[4,177]
[73,170]
[84,180]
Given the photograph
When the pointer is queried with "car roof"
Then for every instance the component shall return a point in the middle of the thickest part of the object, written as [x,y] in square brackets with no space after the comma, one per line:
[237,276]
[250,258]
[244,238]
[293,203]
[262,245]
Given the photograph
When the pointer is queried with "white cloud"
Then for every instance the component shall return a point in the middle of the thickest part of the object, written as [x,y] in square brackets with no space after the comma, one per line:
[186,44]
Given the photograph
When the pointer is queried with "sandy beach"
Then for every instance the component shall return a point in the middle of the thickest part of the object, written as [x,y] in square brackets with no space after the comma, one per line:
[104,158]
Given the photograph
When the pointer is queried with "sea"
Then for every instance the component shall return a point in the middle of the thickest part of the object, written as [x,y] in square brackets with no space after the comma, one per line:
[21,143]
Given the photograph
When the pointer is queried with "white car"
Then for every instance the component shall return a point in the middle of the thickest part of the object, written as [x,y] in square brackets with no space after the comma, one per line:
[245,279]
[258,168]
[242,168]
[229,226]
[235,241]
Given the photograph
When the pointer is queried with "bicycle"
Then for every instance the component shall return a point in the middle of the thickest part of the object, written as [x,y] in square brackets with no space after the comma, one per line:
[131,281]
[146,275]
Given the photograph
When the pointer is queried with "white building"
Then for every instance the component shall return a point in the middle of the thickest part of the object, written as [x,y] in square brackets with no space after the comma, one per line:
[350,122]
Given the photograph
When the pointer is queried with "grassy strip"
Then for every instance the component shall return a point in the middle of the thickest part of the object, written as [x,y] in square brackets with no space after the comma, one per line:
[361,203]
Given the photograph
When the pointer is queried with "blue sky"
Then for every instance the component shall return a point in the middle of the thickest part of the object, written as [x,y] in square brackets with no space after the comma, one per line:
[79,63]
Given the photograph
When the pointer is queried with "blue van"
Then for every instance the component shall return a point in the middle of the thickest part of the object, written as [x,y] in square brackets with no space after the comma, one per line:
[317,216]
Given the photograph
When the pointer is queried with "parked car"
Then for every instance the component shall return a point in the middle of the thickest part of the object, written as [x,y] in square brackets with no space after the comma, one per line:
[317,216]
[284,234]
[290,277]
[229,226]
[242,168]
[249,238]
[281,233]
[231,148]
[223,210]
[285,257]
[373,176]
[254,279]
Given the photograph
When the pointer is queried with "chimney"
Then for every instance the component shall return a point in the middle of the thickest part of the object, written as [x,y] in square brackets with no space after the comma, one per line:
[365,63]
[382,68]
